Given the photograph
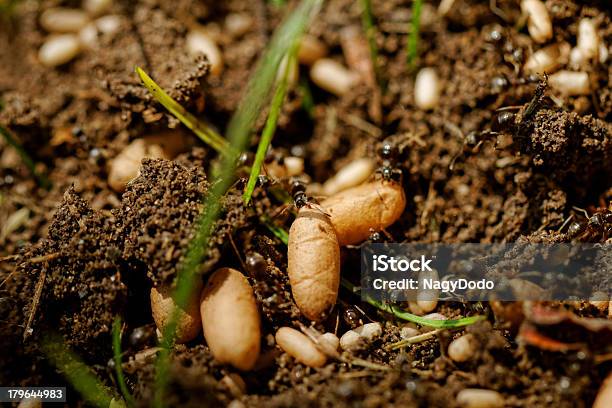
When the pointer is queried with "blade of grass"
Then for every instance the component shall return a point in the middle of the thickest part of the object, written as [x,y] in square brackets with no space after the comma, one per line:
[402,314]
[413,38]
[201,129]
[239,129]
[25,157]
[278,232]
[76,372]
[118,366]
[307,99]
[367,21]
[270,126]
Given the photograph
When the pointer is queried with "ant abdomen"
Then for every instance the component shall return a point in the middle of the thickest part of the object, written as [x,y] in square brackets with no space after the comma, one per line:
[504,120]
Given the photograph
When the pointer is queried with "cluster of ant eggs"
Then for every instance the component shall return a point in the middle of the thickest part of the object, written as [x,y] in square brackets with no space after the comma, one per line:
[589,49]
[73,30]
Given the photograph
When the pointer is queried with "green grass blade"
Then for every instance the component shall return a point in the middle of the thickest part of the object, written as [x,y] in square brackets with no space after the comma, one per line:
[367,21]
[239,129]
[269,128]
[307,99]
[278,232]
[25,157]
[258,91]
[76,372]
[402,314]
[413,38]
[118,366]
[203,131]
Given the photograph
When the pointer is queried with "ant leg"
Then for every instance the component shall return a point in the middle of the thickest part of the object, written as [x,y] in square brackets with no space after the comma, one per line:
[389,236]
[586,214]
[318,208]
[283,209]
[567,220]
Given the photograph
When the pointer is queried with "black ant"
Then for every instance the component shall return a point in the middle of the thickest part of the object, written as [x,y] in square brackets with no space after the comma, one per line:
[472,142]
[598,223]
[298,192]
[300,199]
[504,121]
[501,82]
[388,154]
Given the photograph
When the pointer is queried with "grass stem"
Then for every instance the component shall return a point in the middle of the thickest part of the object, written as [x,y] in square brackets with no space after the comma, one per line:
[402,314]
[201,129]
[270,126]
[367,21]
[118,366]
[76,372]
[412,46]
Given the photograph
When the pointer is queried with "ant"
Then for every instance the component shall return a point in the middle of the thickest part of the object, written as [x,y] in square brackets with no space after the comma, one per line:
[300,199]
[598,223]
[501,82]
[388,154]
[504,121]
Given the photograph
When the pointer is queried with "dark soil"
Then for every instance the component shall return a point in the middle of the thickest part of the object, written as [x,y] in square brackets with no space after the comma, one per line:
[84,254]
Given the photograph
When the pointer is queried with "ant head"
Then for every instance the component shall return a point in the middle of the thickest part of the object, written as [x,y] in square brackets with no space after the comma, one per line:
[471,139]
[387,150]
[375,237]
[499,83]
[244,159]
[263,180]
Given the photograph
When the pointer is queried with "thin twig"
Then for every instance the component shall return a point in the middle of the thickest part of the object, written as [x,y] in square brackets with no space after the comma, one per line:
[35,301]
[43,258]
[413,340]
